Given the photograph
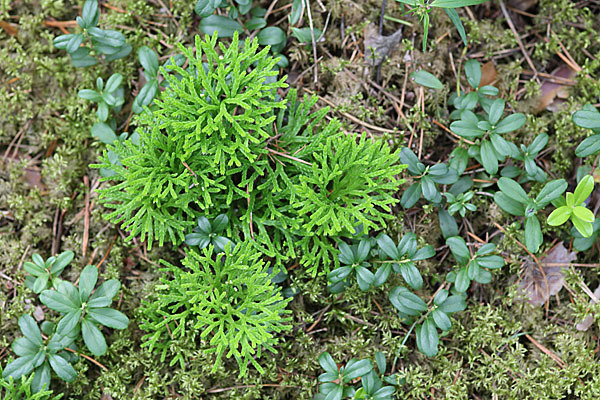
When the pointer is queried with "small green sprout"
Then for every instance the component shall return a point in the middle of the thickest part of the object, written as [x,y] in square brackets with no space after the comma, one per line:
[573,207]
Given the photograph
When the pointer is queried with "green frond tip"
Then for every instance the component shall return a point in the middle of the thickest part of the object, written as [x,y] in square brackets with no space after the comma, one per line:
[228,298]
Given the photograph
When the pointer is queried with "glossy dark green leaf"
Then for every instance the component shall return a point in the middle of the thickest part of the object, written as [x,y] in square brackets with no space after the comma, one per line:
[93,338]
[424,253]
[304,35]
[204,8]
[428,188]
[61,42]
[327,363]
[338,274]
[427,338]
[406,302]
[453,304]
[508,204]
[62,260]
[382,274]
[346,255]
[90,14]
[459,249]
[109,317]
[511,123]
[103,296]
[197,239]
[473,73]
[424,78]
[488,158]
[364,278]
[104,133]
[41,378]
[87,281]
[587,119]
[224,26]
[297,10]
[551,191]
[466,129]
[411,276]
[462,282]
[410,159]
[272,36]
[448,224]
[74,43]
[63,369]
[68,322]
[491,262]
[355,369]
[58,301]
[387,245]
[24,347]
[21,366]
[453,15]
[441,320]
[411,195]
[533,234]
[513,190]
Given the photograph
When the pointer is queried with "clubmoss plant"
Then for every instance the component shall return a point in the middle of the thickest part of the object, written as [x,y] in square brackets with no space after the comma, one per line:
[221,140]
[228,297]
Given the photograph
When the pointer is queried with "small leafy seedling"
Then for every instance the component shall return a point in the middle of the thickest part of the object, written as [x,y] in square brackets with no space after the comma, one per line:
[39,355]
[412,309]
[335,383]
[206,233]
[573,207]
[403,258]
[460,203]
[527,154]
[478,95]
[108,42]
[85,310]
[43,271]
[353,260]
[513,199]
[472,266]
[426,179]
[492,147]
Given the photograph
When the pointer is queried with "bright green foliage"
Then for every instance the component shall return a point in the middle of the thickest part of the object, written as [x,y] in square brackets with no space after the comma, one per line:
[228,297]
[573,208]
[108,42]
[588,117]
[85,310]
[426,319]
[426,178]
[221,141]
[42,271]
[478,94]
[426,79]
[422,8]
[351,182]
[582,243]
[39,355]
[513,199]
[472,266]
[206,233]
[20,389]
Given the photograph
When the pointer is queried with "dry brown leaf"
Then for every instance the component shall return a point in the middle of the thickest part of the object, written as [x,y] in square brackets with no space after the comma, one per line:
[553,95]
[378,47]
[9,28]
[33,176]
[589,320]
[489,75]
[538,288]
